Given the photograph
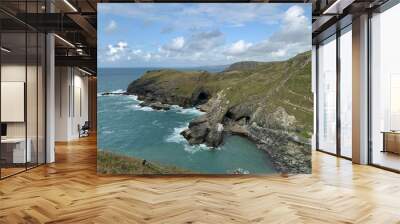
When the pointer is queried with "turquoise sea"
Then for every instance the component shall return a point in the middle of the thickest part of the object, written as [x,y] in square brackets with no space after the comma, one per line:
[126,128]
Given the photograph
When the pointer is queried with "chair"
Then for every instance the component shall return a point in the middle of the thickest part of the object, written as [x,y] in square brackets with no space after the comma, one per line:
[84,130]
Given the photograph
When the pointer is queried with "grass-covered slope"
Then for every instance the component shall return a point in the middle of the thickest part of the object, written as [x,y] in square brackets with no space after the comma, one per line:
[111,163]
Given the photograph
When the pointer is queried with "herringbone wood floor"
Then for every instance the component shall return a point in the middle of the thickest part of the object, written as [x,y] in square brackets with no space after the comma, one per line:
[70,191]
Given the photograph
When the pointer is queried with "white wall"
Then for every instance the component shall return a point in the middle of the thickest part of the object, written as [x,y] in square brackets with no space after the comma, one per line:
[62,81]
[80,115]
[70,84]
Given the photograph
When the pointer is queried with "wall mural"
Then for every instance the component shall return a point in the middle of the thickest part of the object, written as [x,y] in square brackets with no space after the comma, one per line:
[204,88]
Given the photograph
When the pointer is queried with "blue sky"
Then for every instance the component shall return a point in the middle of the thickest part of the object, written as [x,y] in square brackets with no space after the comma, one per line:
[186,35]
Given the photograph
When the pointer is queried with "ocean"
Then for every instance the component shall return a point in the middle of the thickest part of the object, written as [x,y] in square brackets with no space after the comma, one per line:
[126,128]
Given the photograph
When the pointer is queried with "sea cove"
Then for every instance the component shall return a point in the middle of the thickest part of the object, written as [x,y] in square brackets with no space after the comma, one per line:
[141,132]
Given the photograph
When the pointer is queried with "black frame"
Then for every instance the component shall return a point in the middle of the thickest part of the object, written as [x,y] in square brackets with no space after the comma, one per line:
[31,30]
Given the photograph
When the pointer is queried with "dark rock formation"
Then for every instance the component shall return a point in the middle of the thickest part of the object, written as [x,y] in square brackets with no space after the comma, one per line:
[112,93]
[155,105]
[171,87]
[200,96]
[197,134]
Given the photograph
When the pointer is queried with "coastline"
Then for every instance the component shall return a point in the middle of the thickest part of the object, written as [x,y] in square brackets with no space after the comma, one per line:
[236,131]
[278,155]
[283,159]
[174,139]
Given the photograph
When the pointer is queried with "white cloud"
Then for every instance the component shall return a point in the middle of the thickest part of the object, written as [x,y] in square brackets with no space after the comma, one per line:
[295,26]
[175,45]
[279,53]
[112,25]
[137,52]
[293,37]
[119,47]
[122,45]
[115,52]
[178,43]
[294,14]
[239,47]
[147,56]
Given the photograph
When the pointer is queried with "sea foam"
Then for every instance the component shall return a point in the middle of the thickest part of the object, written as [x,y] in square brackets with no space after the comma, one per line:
[239,171]
[134,98]
[137,107]
[118,91]
[196,148]
[191,110]
[176,137]
[176,134]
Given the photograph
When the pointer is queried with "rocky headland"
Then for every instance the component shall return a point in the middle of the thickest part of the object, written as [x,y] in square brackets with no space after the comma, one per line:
[269,103]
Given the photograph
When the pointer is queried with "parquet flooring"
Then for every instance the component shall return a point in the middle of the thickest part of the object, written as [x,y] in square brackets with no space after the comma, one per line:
[70,191]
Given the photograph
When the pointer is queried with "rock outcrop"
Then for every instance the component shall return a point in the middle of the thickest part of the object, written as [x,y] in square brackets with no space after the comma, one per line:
[155,105]
[267,102]
[114,93]
[171,87]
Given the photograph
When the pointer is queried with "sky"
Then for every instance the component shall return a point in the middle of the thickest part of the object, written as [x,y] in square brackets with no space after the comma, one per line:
[192,35]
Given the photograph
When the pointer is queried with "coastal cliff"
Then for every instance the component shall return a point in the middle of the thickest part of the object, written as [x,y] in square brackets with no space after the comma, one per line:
[269,103]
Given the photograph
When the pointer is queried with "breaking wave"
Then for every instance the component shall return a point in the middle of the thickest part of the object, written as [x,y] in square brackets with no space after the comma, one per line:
[192,110]
[137,107]
[239,171]
[118,91]
[134,97]
[176,137]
